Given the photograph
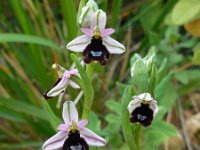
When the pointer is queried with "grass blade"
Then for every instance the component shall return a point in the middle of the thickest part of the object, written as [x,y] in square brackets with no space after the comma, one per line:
[31,39]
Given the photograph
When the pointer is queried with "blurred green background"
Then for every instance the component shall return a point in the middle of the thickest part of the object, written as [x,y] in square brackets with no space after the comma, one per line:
[33,35]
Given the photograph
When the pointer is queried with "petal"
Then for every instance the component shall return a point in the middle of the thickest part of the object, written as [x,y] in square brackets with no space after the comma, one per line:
[113,46]
[91,138]
[73,84]
[63,127]
[55,142]
[74,72]
[81,124]
[57,88]
[69,112]
[133,105]
[145,96]
[98,19]
[87,31]
[79,43]
[107,32]
[155,108]
[86,13]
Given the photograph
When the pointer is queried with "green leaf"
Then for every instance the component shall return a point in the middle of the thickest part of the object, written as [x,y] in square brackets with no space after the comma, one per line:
[152,79]
[162,70]
[114,106]
[126,125]
[161,87]
[153,138]
[185,11]
[22,107]
[11,115]
[25,38]
[139,75]
[165,127]
[196,55]
[112,118]
[24,145]
[167,101]
[158,132]
[51,117]
[68,9]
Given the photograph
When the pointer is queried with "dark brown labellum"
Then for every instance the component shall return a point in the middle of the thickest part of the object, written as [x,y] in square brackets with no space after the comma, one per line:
[142,114]
[75,142]
[96,51]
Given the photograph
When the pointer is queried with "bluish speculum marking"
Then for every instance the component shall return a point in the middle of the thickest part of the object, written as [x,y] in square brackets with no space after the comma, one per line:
[96,53]
[140,117]
[78,147]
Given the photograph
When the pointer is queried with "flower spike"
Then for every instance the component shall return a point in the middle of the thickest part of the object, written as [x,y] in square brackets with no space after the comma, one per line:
[62,82]
[73,134]
[142,109]
[96,43]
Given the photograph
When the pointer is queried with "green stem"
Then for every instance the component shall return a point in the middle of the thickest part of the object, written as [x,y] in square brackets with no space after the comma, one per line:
[137,136]
[86,86]
[89,70]
[88,102]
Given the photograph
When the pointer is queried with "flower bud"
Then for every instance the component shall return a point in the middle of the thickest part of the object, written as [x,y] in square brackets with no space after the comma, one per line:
[86,13]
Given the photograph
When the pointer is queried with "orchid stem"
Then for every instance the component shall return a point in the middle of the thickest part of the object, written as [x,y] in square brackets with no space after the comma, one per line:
[137,130]
[89,70]
[88,103]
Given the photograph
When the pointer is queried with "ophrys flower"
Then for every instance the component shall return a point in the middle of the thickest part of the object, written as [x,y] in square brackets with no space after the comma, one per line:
[96,43]
[142,109]
[73,135]
[62,82]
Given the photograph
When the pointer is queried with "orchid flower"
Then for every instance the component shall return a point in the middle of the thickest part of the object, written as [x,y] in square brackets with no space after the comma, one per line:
[142,109]
[73,134]
[96,43]
[62,82]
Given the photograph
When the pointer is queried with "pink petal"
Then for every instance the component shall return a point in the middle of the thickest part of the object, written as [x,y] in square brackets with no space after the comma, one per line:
[155,108]
[81,124]
[63,127]
[136,97]
[69,112]
[56,141]
[91,138]
[134,104]
[107,32]
[153,102]
[58,88]
[73,84]
[79,43]
[87,31]
[73,71]
[67,74]
[98,19]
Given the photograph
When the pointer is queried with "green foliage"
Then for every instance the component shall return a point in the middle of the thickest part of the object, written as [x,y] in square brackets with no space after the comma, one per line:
[12,37]
[185,11]
[160,58]
[126,125]
[52,119]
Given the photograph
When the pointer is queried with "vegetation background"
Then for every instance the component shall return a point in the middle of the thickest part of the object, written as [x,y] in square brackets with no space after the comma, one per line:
[33,35]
